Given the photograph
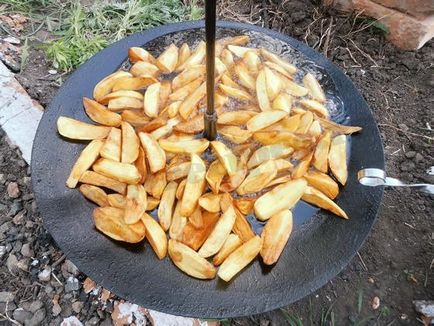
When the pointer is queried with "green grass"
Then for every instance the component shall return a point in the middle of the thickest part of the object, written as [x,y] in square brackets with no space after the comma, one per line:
[81,31]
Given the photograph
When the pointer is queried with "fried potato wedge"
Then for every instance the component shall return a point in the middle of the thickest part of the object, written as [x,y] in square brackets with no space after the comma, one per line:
[134,94]
[112,146]
[235,118]
[235,93]
[165,91]
[258,178]
[151,102]
[227,80]
[184,54]
[323,183]
[178,171]
[167,203]
[320,156]
[166,129]
[187,76]
[133,83]
[219,234]
[244,76]
[315,129]
[196,58]
[261,91]
[196,146]
[239,51]
[283,102]
[191,101]
[94,194]
[96,179]
[130,143]
[137,201]
[155,154]
[279,180]
[87,157]
[155,235]
[122,172]
[143,68]
[124,103]
[172,109]
[135,118]
[245,204]
[152,125]
[180,190]
[315,107]
[74,129]
[230,183]
[337,158]
[227,58]
[194,186]
[179,222]
[315,90]
[99,113]
[141,166]
[265,119]
[283,165]
[155,184]
[302,167]
[183,92]
[168,60]
[191,126]
[275,235]
[269,152]
[340,129]
[105,86]
[214,176]
[239,258]
[226,157]
[117,200]
[305,123]
[293,88]
[232,242]
[287,138]
[196,232]
[252,61]
[210,202]
[284,196]
[317,198]
[139,54]
[152,203]
[291,69]
[189,261]
[274,83]
[235,134]
[274,66]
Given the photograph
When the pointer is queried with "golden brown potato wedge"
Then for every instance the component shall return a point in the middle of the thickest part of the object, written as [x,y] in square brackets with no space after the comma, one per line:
[279,180]
[284,196]
[184,146]
[152,125]
[179,222]
[155,154]
[275,235]
[340,129]
[187,76]
[113,95]
[151,102]
[135,118]
[112,146]
[265,119]
[141,166]
[105,86]
[219,234]
[230,183]
[184,54]
[220,67]
[239,258]
[287,138]
[244,76]
[252,60]
[316,107]
[337,158]
[155,184]
[274,83]
[136,204]
[293,88]
[234,40]
[94,194]
[279,69]
[210,202]
[122,172]
[290,124]
[196,58]
[301,168]
[165,91]
[236,93]
[323,183]
[242,227]
[235,118]
[261,91]
[99,113]
[74,129]
[305,123]
[317,198]
[155,235]
[315,129]
[124,103]
[226,157]
[165,130]
[180,190]
[232,242]
[282,102]
[227,58]
[117,200]
[166,207]
[196,232]
[168,60]
[183,92]
[194,186]
[139,54]
[133,83]
[239,51]
[130,143]
[172,109]
[143,68]
[245,204]
[191,126]
[152,203]
[235,134]
[315,90]
[227,80]
[269,152]
[283,165]
[291,69]
[96,179]
[258,178]
[214,176]
[178,171]
[189,261]
[87,157]
[320,157]
[191,101]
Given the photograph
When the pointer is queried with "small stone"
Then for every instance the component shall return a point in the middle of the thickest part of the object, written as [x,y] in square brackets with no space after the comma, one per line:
[375,303]
[18,219]
[77,306]
[45,275]
[15,208]
[404,316]
[56,310]
[88,285]
[7,296]
[403,127]
[410,154]
[12,40]
[424,307]
[12,263]
[37,318]
[21,315]
[36,305]
[71,321]
[27,181]
[13,190]
[52,71]
[407,166]
[2,251]
[69,268]
[106,322]
[418,158]
[72,284]
[26,251]
[92,322]
[23,264]
[2,179]
[371,280]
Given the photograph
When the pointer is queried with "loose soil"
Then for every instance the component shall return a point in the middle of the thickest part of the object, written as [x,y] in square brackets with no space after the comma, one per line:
[396,264]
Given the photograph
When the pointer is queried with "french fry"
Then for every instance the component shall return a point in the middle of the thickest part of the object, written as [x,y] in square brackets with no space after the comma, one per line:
[152,125]
[105,86]
[337,158]
[155,184]
[143,68]
[315,107]
[181,188]
[245,204]
[165,91]
[194,186]
[234,40]
[235,93]
[179,222]
[293,88]
[122,172]
[315,129]
[227,80]
[282,102]
[210,202]
[232,242]
[172,109]
[166,207]
[315,90]
[317,198]
[244,76]
[136,203]
[74,129]
[239,258]
[235,118]
[117,200]
[226,157]
[323,183]
[191,126]
[196,58]
[301,168]
[184,146]
[96,179]
[87,157]
[220,67]
[113,95]
[320,156]
[258,178]
[269,152]
[94,194]
[133,83]
[340,129]
[252,61]
[214,176]
[189,261]
[139,54]
[155,235]
[305,122]
[184,54]
[290,124]
[152,203]
[130,143]
[279,69]
[230,183]
[165,130]
[111,148]
[135,118]
[279,180]
[191,101]
[235,134]
[140,164]
[178,171]
[219,234]
[99,113]
[284,137]
[187,76]
[227,58]
[265,119]
[239,51]
[168,60]
[283,165]
[291,69]
[275,235]
[124,103]
[261,91]
[183,92]
[284,196]
[226,201]
[273,83]
[109,220]
[151,102]
[155,154]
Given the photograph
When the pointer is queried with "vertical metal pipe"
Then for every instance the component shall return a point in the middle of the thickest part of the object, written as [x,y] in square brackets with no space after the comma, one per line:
[210,117]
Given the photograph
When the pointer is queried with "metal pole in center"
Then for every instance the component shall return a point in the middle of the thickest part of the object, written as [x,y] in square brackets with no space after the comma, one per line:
[210,117]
